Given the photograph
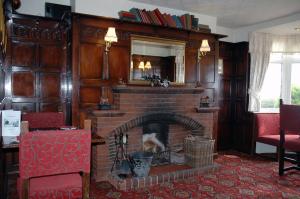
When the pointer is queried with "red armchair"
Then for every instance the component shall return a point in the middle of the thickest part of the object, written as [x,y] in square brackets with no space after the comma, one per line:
[51,163]
[44,120]
[289,121]
[267,129]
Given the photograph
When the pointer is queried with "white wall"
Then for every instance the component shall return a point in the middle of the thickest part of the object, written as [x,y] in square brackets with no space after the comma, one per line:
[37,7]
[108,8]
[226,31]
[242,34]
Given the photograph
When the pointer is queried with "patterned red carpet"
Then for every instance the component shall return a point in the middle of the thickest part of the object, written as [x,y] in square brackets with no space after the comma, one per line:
[240,176]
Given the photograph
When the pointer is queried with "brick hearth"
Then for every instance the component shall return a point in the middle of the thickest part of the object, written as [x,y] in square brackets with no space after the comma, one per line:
[136,105]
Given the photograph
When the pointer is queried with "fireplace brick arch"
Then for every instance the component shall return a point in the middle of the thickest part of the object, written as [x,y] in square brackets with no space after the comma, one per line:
[135,106]
[189,123]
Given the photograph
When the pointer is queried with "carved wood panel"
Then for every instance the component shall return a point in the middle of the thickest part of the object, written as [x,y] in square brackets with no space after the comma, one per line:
[50,85]
[37,64]
[23,53]
[52,57]
[23,84]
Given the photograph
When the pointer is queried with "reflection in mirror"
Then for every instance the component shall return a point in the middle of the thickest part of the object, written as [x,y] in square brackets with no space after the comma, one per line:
[158,57]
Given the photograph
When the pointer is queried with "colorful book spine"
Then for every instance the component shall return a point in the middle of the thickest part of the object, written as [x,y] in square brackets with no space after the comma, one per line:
[160,17]
[146,16]
[195,22]
[157,22]
[155,17]
[182,19]
[135,11]
[128,16]
[177,21]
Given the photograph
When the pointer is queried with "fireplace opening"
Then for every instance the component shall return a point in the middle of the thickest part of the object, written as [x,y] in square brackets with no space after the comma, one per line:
[155,140]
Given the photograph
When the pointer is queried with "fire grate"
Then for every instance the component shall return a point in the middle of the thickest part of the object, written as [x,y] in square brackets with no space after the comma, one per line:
[161,158]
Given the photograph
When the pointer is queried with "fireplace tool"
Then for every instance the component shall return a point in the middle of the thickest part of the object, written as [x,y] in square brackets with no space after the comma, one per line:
[123,162]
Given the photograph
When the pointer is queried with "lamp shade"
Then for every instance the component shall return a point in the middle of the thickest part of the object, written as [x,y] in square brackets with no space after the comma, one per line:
[141,65]
[111,35]
[204,46]
[148,65]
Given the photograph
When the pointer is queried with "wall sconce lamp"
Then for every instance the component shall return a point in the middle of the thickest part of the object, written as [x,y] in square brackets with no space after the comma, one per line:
[141,65]
[109,38]
[144,66]
[148,65]
[204,48]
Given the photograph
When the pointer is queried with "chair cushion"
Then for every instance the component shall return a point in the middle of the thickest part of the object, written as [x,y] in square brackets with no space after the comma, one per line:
[274,139]
[58,186]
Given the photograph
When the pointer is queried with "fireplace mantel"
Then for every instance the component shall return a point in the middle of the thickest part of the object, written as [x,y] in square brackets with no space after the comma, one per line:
[157,90]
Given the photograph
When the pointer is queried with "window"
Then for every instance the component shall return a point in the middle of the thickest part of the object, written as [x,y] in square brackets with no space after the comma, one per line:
[281,81]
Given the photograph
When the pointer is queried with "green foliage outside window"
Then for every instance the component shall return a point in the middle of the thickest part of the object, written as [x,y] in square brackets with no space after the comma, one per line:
[270,103]
[274,103]
[295,94]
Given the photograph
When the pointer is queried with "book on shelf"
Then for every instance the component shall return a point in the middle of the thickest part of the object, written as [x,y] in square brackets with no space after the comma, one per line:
[147,20]
[160,17]
[195,22]
[128,16]
[177,21]
[135,11]
[203,28]
[186,21]
[156,20]
[183,21]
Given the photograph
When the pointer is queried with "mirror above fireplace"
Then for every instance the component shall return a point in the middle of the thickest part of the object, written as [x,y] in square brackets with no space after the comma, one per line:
[162,58]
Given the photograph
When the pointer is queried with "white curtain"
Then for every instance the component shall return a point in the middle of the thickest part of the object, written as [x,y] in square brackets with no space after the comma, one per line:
[260,47]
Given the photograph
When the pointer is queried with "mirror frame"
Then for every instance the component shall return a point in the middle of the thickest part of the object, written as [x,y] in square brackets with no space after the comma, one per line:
[157,40]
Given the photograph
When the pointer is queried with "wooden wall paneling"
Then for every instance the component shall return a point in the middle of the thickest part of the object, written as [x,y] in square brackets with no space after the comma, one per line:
[23,53]
[2,83]
[192,62]
[90,60]
[119,59]
[23,84]
[226,97]
[37,64]
[50,88]
[207,69]
[88,44]
[209,78]
[243,119]
[52,57]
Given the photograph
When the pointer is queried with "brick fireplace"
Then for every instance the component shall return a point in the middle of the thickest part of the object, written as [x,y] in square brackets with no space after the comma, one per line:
[134,107]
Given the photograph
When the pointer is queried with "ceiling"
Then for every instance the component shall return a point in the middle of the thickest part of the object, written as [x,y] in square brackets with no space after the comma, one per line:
[284,29]
[234,13]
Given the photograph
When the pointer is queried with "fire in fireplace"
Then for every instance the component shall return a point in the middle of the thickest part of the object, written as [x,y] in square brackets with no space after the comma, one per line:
[155,140]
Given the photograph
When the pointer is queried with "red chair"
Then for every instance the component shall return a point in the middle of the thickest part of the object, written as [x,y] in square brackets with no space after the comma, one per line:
[268,131]
[54,164]
[44,120]
[289,122]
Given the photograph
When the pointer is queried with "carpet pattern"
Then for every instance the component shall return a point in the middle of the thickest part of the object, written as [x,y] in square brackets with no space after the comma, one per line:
[240,176]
